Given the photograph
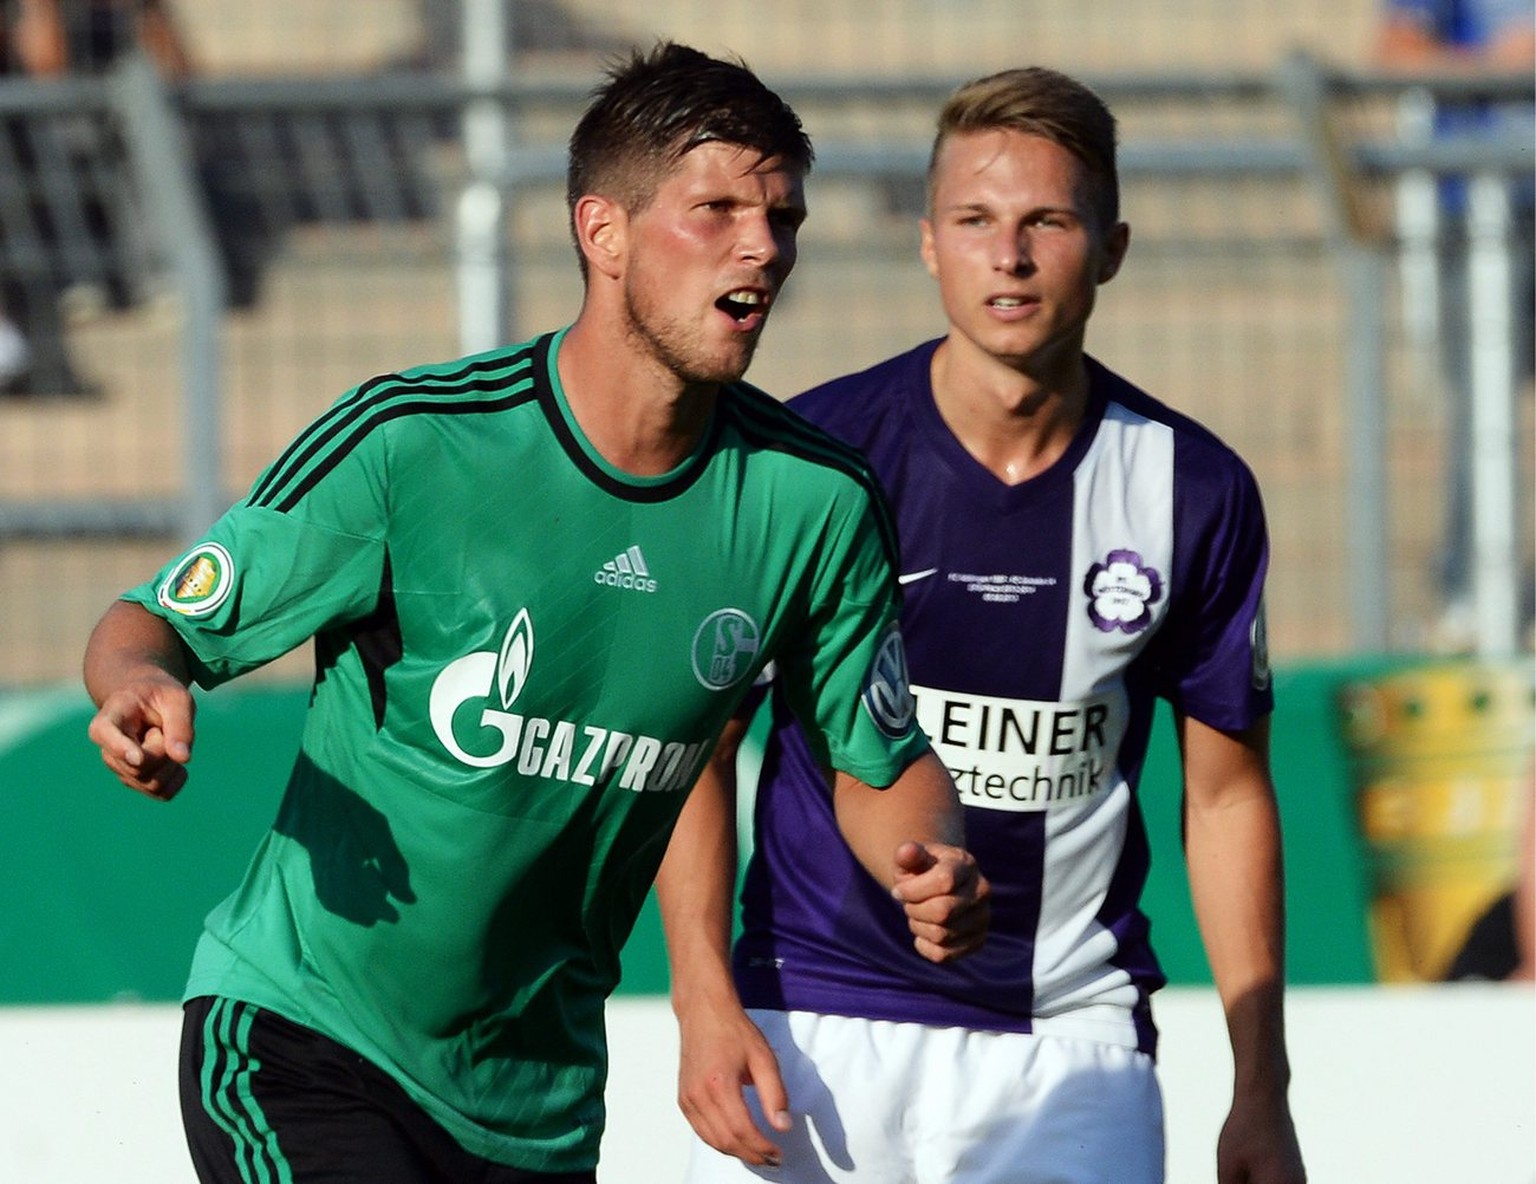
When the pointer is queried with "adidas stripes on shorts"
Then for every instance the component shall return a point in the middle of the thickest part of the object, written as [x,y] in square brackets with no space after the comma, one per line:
[268,1101]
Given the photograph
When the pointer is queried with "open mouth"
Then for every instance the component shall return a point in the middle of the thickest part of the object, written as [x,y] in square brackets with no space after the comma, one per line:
[743,304]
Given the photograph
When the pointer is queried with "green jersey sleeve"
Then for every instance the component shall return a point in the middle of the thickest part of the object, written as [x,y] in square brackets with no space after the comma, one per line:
[304,551]
[845,676]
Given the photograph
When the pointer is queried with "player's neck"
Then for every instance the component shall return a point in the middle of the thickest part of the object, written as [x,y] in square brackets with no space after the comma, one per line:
[1016,421]
[637,415]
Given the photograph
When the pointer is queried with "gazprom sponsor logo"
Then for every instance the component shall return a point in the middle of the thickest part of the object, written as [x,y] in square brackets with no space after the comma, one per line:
[515,660]
[1021,754]
[484,686]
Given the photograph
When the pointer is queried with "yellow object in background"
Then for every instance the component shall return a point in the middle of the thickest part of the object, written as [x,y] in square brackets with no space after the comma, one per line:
[1442,760]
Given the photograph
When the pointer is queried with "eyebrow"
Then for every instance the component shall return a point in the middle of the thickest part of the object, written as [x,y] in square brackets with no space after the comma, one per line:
[982,207]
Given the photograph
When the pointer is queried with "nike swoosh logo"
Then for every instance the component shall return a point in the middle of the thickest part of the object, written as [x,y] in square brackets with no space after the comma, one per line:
[912,577]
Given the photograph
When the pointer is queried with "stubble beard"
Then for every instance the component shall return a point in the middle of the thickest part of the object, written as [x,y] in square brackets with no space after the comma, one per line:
[678,349]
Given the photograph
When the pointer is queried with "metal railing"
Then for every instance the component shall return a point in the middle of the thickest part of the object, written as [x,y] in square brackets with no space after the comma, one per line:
[509,132]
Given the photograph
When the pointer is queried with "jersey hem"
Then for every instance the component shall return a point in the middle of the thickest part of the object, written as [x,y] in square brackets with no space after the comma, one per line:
[1114,1028]
[1101,1023]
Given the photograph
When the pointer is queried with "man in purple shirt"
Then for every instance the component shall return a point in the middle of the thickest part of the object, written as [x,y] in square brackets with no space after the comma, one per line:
[1072,550]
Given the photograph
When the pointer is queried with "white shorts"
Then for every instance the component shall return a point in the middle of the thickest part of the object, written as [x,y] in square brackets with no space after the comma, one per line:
[876,1102]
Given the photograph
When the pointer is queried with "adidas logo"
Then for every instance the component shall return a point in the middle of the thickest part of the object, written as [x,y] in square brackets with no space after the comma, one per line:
[626,570]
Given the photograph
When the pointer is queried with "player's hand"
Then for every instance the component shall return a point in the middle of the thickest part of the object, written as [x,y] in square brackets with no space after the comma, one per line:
[945,897]
[722,1051]
[1258,1143]
[144,731]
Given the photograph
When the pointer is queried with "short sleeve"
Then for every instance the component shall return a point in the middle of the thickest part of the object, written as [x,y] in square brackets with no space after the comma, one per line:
[845,674]
[304,551]
[1214,656]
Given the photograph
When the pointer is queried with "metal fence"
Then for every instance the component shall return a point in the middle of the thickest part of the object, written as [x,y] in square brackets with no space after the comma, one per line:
[282,240]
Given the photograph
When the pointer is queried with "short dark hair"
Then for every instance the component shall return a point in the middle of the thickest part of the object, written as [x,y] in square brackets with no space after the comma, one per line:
[656,106]
[1045,103]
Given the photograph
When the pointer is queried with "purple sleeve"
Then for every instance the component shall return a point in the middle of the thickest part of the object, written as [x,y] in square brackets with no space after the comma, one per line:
[1214,656]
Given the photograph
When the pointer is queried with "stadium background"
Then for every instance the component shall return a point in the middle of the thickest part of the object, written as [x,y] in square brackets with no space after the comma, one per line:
[1237,305]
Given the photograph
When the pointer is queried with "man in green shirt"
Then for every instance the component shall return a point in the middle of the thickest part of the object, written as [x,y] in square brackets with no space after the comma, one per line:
[540,580]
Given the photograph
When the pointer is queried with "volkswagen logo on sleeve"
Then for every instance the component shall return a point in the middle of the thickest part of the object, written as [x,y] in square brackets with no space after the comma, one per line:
[887,690]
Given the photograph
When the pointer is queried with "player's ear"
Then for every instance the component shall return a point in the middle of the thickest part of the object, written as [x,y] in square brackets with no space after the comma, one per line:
[925,247]
[602,232]
[1116,243]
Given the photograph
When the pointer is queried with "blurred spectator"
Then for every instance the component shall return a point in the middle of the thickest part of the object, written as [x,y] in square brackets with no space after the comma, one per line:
[1440,37]
[75,160]
[97,34]
[88,36]
[33,43]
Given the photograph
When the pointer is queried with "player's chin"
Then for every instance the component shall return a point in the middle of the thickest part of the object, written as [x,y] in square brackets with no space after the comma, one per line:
[715,371]
[731,360]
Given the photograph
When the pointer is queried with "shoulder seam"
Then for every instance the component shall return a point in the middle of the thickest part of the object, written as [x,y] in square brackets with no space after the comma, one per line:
[480,387]
[774,425]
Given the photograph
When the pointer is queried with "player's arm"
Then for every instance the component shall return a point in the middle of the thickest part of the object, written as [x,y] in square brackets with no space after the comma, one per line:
[39,39]
[909,832]
[162,39]
[721,1049]
[910,836]
[1232,845]
[136,673]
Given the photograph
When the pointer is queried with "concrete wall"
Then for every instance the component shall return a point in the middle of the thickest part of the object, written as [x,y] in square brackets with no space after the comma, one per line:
[1405,1085]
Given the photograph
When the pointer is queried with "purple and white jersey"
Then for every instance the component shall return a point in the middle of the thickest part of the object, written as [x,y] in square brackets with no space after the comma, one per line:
[1042,621]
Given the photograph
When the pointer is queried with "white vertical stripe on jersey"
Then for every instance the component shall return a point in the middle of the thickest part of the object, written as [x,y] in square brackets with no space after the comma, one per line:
[1123,500]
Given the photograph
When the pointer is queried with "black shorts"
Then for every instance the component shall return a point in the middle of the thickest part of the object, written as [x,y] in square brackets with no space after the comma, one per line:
[268,1101]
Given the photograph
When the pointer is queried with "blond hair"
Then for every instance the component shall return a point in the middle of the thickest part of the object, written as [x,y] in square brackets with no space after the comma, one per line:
[1039,102]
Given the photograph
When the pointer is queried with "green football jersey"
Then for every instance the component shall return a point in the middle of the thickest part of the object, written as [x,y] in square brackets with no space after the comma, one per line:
[524,657]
